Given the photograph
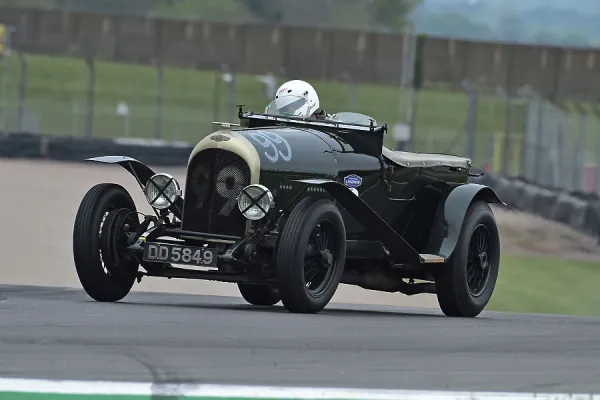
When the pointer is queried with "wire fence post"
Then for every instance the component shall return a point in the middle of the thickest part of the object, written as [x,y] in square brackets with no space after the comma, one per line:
[229,79]
[232,93]
[563,141]
[539,138]
[579,159]
[217,93]
[5,52]
[549,145]
[409,96]
[471,122]
[532,145]
[507,124]
[89,117]
[596,110]
[22,92]
[352,90]
[559,146]
[159,97]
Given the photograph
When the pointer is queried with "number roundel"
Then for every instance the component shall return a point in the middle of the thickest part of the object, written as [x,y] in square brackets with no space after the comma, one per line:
[274,144]
[229,184]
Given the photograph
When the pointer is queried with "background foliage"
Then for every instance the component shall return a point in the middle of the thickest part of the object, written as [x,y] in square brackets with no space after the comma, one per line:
[547,22]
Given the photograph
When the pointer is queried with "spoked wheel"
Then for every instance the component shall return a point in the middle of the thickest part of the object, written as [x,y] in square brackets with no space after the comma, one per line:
[105,269]
[478,261]
[465,285]
[310,256]
[259,295]
[318,259]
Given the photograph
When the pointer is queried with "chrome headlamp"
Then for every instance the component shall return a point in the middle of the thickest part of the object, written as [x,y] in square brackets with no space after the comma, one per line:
[162,190]
[255,201]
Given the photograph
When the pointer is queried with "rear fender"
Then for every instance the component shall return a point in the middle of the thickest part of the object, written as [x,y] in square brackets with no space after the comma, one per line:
[450,216]
[401,251]
[142,174]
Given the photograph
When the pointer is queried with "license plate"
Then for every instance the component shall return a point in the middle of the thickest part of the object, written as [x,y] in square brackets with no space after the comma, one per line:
[180,254]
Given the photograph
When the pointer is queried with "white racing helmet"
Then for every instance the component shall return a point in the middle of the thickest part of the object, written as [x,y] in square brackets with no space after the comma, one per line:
[294,98]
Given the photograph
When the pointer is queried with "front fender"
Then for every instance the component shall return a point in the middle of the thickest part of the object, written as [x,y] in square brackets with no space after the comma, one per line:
[142,174]
[450,216]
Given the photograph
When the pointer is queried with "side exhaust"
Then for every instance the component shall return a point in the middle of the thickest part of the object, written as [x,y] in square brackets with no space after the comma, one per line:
[386,281]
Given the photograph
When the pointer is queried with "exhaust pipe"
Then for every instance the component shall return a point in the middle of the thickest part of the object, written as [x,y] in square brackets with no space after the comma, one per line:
[386,281]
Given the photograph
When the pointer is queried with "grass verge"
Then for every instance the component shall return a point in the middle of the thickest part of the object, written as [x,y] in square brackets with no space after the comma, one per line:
[544,285]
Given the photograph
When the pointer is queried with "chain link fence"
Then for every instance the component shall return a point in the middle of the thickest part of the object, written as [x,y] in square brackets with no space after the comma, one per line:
[520,134]
[516,134]
[551,145]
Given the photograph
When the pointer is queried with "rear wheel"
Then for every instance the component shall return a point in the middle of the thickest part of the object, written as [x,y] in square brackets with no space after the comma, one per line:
[105,269]
[259,295]
[465,285]
[310,256]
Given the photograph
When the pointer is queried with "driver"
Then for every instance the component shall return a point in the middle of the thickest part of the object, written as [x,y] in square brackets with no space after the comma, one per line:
[298,99]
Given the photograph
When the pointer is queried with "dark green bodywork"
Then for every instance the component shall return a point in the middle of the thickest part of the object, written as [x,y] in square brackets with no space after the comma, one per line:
[407,197]
[411,203]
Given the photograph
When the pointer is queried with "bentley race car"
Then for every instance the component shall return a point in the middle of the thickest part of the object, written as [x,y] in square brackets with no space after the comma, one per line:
[288,208]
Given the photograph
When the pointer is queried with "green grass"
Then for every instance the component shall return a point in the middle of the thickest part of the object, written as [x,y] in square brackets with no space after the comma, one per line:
[56,98]
[532,284]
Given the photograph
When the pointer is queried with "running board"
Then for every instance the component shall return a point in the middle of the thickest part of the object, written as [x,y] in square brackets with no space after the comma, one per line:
[431,259]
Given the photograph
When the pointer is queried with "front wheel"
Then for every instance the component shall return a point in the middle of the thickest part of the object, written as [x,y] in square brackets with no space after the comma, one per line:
[105,269]
[465,285]
[310,256]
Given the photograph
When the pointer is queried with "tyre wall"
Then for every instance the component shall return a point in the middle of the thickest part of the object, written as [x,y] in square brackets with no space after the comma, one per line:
[579,210]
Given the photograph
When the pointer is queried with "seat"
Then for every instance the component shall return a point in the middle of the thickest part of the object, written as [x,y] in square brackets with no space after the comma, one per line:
[411,159]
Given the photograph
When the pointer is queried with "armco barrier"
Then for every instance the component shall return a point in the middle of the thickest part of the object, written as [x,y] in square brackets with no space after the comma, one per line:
[22,145]
[578,210]
[64,148]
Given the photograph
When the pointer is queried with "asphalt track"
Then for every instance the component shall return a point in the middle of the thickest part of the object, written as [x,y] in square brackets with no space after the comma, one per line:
[48,332]
[37,229]
[54,333]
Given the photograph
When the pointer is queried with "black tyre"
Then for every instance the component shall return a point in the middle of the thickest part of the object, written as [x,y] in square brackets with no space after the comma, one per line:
[310,256]
[465,285]
[259,295]
[105,270]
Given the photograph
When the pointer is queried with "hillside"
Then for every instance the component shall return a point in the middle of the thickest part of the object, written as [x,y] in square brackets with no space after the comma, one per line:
[534,21]
[549,22]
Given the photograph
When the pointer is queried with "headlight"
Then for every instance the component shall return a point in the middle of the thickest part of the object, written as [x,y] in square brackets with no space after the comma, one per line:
[161,191]
[255,201]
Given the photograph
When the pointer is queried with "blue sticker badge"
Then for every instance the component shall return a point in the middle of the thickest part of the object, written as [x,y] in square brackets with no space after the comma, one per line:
[353,181]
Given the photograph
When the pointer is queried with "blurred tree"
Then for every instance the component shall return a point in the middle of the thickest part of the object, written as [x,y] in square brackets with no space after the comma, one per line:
[546,37]
[512,28]
[454,24]
[267,10]
[576,39]
[391,14]
[137,7]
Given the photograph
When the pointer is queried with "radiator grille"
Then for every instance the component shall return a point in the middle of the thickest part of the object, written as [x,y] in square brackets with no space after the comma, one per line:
[215,179]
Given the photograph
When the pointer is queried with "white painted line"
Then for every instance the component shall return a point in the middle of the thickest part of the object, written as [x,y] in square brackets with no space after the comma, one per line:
[250,392]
